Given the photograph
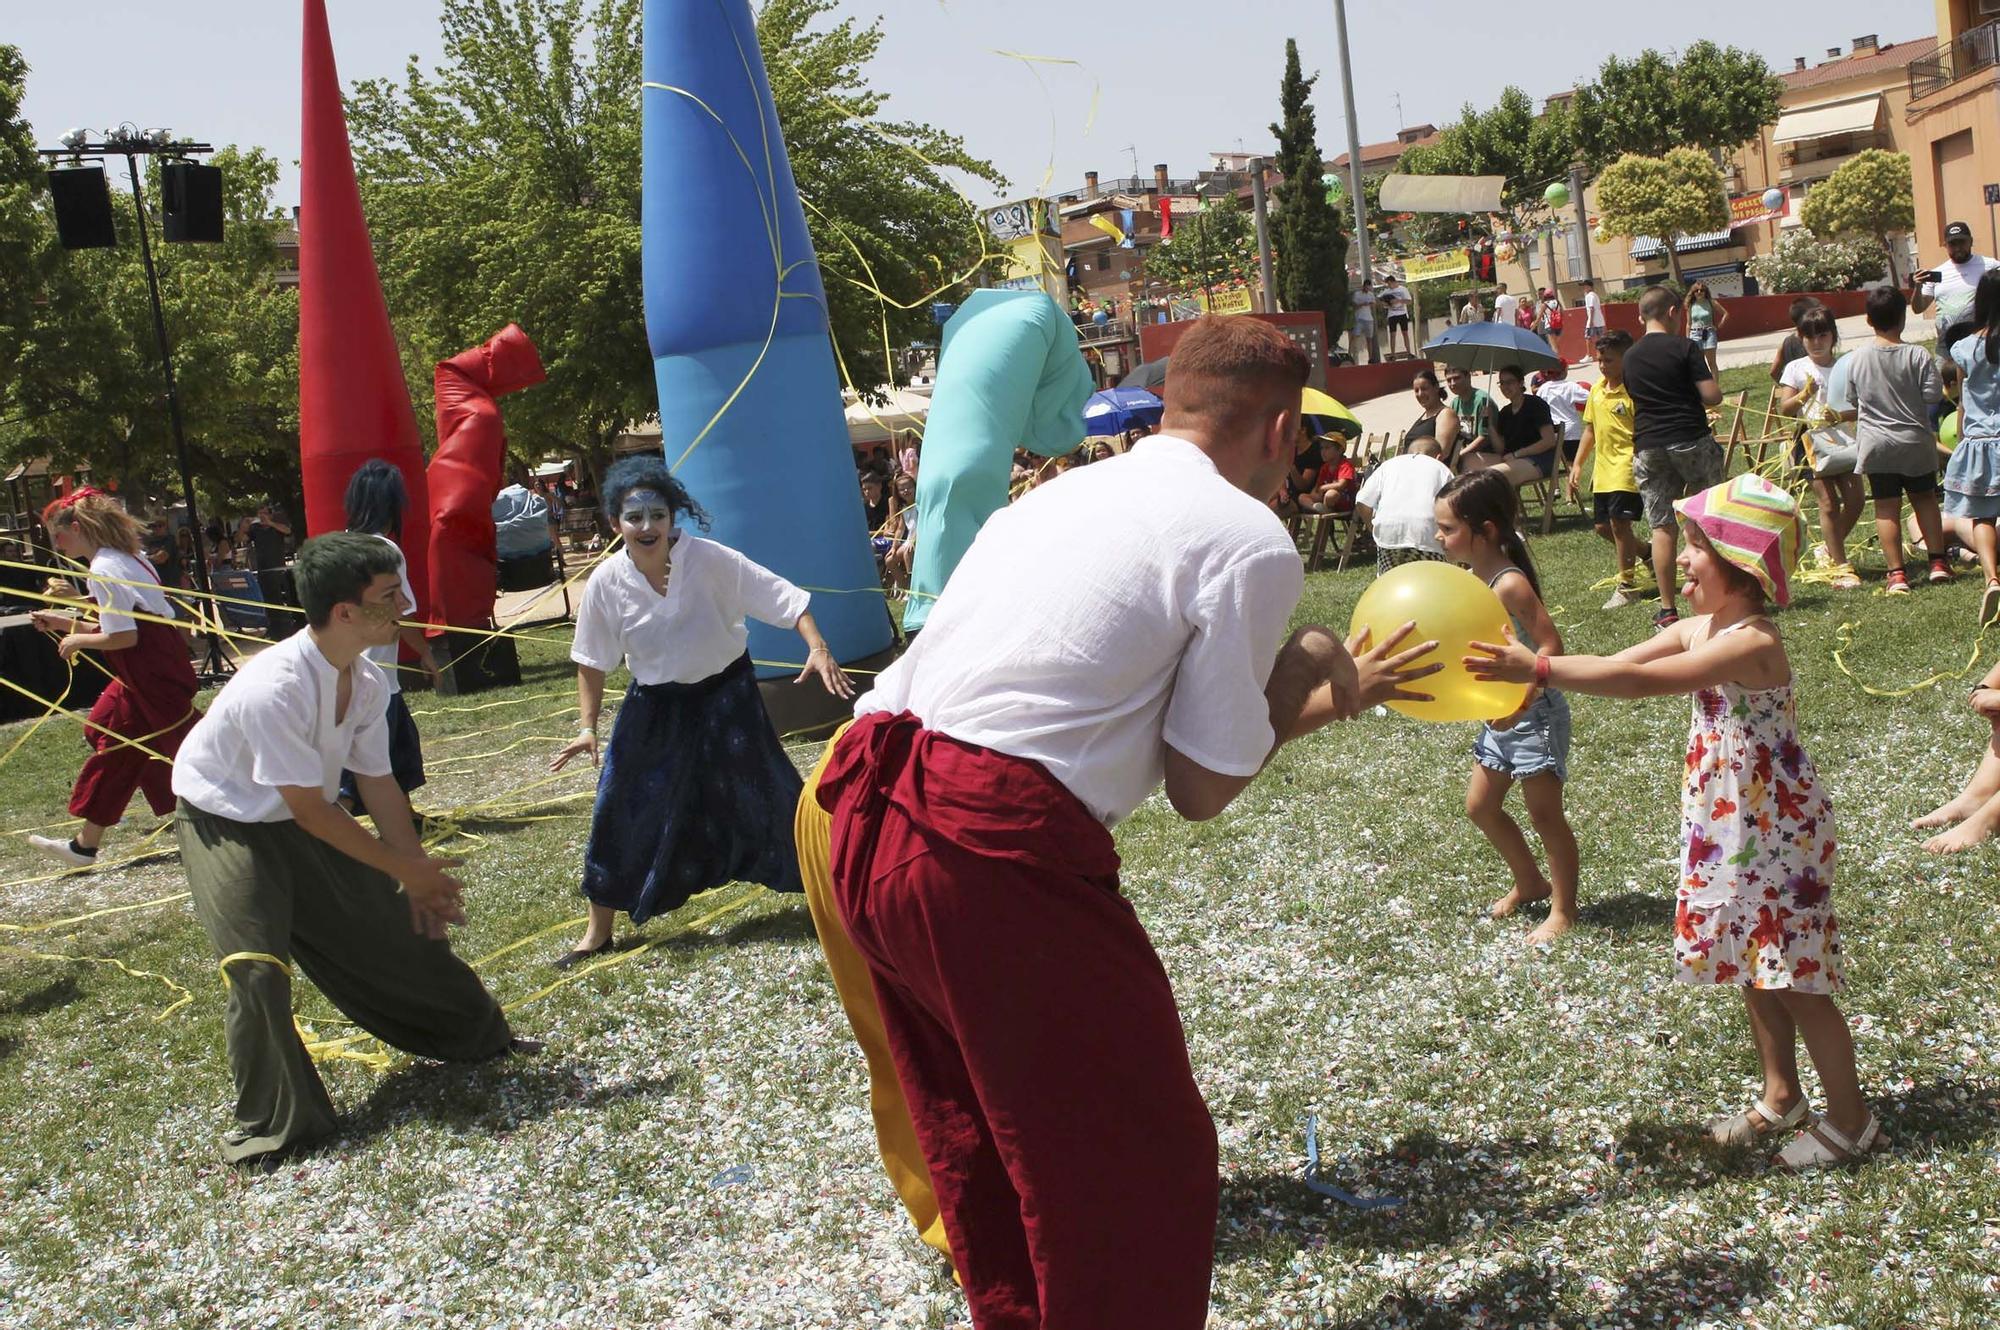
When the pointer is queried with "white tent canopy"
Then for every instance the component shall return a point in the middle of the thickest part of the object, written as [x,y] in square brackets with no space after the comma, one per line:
[905,409]
[1442,193]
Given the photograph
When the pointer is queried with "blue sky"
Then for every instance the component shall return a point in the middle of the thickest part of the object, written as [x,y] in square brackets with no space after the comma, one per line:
[1171,81]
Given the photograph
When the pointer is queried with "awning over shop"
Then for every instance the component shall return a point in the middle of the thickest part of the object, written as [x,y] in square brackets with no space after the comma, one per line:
[1646,247]
[1857,115]
[1442,193]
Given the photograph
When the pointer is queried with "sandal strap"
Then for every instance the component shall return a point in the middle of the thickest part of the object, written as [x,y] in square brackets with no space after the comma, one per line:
[1838,1143]
[1774,1117]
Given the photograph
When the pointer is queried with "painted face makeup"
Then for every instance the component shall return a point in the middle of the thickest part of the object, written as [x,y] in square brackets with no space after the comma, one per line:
[645,519]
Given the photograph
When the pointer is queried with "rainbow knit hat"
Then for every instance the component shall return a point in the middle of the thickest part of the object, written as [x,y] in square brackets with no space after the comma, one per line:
[1753,524]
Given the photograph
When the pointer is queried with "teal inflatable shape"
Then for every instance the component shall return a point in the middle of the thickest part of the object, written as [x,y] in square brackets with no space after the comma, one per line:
[1010,375]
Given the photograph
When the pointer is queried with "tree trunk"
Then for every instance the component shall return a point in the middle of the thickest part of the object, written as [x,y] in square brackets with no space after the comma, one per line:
[1674,261]
[1889,251]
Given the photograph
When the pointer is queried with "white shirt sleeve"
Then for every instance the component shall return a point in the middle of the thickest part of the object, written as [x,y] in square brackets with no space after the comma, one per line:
[279,725]
[1217,716]
[600,635]
[1371,492]
[1796,373]
[115,602]
[764,596]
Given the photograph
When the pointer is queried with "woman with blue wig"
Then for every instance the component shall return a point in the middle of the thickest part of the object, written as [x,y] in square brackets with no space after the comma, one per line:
[375,502]
[695,789]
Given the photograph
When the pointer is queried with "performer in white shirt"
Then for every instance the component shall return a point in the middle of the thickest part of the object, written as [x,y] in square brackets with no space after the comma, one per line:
[696,789]
[280,873]
[148,707]
[1032,1025]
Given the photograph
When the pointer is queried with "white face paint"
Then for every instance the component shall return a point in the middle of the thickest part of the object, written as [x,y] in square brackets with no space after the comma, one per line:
[645,519]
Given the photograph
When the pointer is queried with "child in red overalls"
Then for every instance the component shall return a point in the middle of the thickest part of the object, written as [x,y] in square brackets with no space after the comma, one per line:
[150,699]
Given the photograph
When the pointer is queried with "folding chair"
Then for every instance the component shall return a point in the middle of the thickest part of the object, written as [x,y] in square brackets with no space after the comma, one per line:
[1736,435]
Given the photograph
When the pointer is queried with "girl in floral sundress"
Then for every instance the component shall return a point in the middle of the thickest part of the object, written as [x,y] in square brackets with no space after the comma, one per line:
[1754,909]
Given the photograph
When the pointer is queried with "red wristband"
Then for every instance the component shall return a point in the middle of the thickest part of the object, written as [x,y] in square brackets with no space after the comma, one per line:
[1542,671]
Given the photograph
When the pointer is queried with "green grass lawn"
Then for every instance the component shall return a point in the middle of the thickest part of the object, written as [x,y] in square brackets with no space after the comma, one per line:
[1537,1111]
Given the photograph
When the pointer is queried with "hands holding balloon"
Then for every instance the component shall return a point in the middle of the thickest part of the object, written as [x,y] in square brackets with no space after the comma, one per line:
[1375,675]
[1503,662]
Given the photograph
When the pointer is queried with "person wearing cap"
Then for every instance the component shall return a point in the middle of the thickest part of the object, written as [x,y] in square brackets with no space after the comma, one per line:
[1754,907]
[1950,285]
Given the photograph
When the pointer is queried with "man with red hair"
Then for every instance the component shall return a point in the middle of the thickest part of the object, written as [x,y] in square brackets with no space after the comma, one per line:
[1031,1023]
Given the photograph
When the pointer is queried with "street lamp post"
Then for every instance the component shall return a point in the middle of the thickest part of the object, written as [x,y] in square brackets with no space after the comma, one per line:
[1356,197]
[132,144]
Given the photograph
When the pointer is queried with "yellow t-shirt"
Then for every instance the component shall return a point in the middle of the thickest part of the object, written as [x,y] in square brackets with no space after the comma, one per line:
[1609,415]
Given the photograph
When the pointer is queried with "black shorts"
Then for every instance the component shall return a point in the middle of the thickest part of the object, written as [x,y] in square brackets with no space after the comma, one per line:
[1888,485]
[1395,319]
[1617,506]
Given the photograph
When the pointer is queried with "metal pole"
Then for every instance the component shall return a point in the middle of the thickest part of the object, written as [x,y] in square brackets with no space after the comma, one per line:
[216,660]
[1359,200]
[1582,219]
[1259,207]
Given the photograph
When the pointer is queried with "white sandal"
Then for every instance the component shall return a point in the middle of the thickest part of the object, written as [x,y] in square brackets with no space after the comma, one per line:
[1822,1145]
[1756,1121]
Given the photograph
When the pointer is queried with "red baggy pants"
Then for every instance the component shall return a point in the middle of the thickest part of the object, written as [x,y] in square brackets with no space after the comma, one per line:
[1033,1030]
[151,699]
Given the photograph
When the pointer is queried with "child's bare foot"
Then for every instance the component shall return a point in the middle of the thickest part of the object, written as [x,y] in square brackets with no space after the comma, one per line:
[1552,928]
[1976,828]
[1518,897]
[1945,814]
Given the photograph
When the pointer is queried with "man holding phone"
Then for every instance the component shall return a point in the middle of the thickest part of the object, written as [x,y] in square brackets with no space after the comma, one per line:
[1949,286]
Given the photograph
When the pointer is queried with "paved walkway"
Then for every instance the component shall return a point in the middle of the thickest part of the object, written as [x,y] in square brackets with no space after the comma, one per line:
[1395,412]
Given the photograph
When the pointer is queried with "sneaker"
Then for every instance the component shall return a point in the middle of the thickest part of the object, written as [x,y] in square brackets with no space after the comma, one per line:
[1665,619]
[1619,599]
[1989,604]
[1820,557]
[1844,578]
[65,850]
[1940,572]
[1899,584]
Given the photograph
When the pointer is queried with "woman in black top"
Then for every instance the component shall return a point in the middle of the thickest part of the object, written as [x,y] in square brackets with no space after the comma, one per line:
[1435,419]
[1529,438]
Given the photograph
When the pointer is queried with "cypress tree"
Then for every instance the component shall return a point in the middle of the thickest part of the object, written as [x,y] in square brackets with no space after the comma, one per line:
[1311,253]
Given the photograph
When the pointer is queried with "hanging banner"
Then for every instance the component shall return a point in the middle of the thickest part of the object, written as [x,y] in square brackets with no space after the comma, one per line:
[1227,302]
[1424,267]
[1749,209]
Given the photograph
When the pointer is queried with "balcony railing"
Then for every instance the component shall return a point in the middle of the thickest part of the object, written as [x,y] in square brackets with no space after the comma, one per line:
[1973,50]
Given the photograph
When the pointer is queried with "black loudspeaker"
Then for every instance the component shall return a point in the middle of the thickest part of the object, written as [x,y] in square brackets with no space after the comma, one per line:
[191,202]
[82,201]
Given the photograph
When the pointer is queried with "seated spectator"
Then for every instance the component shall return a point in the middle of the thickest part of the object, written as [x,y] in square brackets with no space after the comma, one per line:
[1102,451]
[1565,397]
[520,520]
[1400,504]
[903,533]
[1335,480]
[1527,432]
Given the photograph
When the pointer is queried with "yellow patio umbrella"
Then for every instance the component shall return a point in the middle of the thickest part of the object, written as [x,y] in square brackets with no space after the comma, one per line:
[1313,402]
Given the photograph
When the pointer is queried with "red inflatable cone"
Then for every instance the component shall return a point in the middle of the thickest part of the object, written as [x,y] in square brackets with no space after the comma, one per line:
[353,401]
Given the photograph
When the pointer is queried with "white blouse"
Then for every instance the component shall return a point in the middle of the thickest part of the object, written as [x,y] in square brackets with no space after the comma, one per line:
[692,632]
[110,573]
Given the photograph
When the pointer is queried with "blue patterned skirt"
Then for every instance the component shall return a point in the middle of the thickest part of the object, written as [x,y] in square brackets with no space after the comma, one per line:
[695,792]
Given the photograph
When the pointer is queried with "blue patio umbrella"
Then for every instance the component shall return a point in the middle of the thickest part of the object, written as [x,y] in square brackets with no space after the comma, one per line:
[1485,347]
[1116,410]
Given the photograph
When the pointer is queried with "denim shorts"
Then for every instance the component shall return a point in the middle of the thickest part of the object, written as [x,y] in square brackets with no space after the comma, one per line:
[1537,744]
[1703,338]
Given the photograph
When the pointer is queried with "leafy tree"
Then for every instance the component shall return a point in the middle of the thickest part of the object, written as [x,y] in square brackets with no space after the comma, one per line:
[505,185]
[1217,244]
[1310,252]
[1713,97]
[1870,195]
[1511,139]
[76,331]
[1663,197]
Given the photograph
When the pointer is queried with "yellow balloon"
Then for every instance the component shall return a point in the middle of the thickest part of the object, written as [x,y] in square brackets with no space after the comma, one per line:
[1457,609]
